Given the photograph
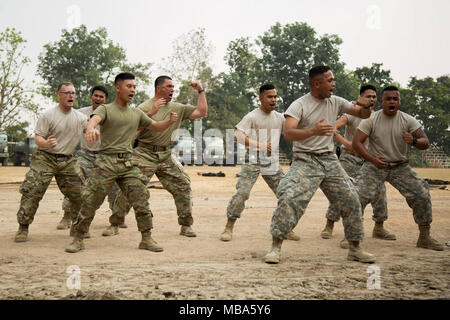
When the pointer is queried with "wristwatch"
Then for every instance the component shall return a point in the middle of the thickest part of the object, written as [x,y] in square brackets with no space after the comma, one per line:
[200,91]
[414,142]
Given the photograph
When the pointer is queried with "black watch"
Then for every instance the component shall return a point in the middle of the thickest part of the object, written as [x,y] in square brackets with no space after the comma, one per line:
[414,141]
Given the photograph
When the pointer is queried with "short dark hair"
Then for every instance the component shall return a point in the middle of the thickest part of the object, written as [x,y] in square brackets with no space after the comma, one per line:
[389,88]
[160,80]
[100,88]
[317,71]
[265,87]
[64,84]
[123,76]
[366,87]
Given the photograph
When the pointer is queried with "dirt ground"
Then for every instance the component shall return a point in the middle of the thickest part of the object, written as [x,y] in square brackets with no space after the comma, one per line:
[206,268]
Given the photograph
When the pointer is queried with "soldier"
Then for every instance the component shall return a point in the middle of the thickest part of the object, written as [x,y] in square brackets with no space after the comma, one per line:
[86,157]
[310,124]
[58,131]
[352,162]
[386,160]
[260,129]
[153,154]
[118,125]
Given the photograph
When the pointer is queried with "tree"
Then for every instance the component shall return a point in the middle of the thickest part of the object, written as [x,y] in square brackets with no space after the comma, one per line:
[428,100]
[374,75]
[15,99]
[87,59]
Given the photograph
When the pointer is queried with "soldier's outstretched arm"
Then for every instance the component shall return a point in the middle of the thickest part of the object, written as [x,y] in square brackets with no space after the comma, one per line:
[43,143]
[342,121]
[163,125]
[202,105]
[92,134]
[361,108]
[292,133]
[243,139]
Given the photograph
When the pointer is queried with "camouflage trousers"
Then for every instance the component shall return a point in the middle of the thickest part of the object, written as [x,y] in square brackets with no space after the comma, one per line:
[171,175]
[110,169]
[248,176]
[43,167]
[352,164]
[405,180]
[308,172]
[85,160]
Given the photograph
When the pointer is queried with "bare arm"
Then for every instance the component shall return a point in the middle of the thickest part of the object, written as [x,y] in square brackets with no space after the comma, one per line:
[202,105]
[358,140]
[342,121]
[246,141]
[92,134]
[422,142]
[361,108]
[163,125]
[156,106]
[291,133]
[43,143]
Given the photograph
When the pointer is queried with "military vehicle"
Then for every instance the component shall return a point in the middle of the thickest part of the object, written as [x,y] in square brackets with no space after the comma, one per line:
[4,149]
[23,151]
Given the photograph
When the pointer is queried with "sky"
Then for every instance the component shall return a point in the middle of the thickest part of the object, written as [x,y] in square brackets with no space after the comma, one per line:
[410,37]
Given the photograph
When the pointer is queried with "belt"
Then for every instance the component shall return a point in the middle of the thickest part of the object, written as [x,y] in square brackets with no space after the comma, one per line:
[58,155]
[395,164]
[318,154]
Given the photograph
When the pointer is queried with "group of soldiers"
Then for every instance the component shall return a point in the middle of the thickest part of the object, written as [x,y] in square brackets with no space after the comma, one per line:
[109,162]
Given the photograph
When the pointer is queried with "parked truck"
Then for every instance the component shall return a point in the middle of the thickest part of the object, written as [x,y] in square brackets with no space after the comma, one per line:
[4,149]
[23,151]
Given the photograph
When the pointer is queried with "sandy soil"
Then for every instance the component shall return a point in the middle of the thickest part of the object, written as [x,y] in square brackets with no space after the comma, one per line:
[206,268]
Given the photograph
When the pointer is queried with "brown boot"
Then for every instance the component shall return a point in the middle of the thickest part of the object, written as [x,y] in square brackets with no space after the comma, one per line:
[87,235]
[328,231]
[380,232]
[344,244]
[227,234]
[356,253]
[22,233]
[425,240]
[112,230]
[76,245]
[293,237]
[187,232]
[147,243]
[65,222]
[273,256]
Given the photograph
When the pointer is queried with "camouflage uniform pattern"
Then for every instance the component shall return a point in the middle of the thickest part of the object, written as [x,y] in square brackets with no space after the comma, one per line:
[308,172]
[85,160]
[248,176]
[110,169]
[43,167]
[171,175]
[352,164]
[405,180]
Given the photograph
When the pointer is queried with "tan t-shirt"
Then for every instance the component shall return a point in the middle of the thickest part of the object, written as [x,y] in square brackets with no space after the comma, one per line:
[119,126]
[94,145]
[67,127]
[264,127]
[386,134]
[350,129]
[163,138]
[308,111]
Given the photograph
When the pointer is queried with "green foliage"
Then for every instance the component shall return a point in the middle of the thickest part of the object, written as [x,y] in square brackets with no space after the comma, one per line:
[17,132]
[428,100]
[15,99]
[375,76]
[87,59]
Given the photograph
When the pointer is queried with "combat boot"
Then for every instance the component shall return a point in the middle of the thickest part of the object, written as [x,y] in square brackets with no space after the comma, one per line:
[187,231]
[356,253]
[76,245]
[22,233]
[425,240]
[344,244]
[123,225]
[293,237]
[87,235]
[227,234]
[380,232]
[147,243]
[65,222]
[273,256]
[328,231]
[112,230]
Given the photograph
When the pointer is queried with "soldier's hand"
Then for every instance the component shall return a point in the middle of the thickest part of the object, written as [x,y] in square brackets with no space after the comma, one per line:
[91,135]
[407,137]
[363,102]
[196,85]
[321,129]
[51,142]
[156,106]
[380,163]
[266,147]
[173,117]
